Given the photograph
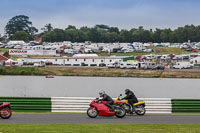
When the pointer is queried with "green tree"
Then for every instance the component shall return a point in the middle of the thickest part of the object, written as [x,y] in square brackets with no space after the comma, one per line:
[125,36]
[56,35]
[165,35]
[172,37]
[113,29]
[113,37]
[20,23]
[72,35]
[156,36]
[48,27]
[20,35]
[1,38]
[70,27]
[104,33]
[102,26]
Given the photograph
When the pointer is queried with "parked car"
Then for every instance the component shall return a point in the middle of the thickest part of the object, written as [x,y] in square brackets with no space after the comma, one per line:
[151,56]
[18,47]
[3,45]
[10,46]
[165,57]
[186,57]
[111,65]
[158,67]
[194,50]
[138,57]
[189,49]
[48,63]
[172,56]
[138,50]
[193,55]
[177,57]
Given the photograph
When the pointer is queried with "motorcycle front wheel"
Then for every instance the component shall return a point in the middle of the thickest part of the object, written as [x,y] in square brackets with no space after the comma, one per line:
[120,112]
[5,113]
[126,107]
[140,110]
[92,112]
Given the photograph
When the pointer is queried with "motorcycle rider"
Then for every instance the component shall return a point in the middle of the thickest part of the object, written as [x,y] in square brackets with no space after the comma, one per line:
[105,97]
[130,96]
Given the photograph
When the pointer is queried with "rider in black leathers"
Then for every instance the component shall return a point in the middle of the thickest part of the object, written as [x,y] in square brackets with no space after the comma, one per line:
[105,97]
[130,96]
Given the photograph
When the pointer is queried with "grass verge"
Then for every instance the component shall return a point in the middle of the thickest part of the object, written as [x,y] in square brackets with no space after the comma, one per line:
[20,71]
[100,72]
[99,128]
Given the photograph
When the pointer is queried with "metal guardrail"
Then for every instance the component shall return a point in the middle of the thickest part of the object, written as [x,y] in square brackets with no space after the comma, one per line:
[186,105]
[28,104]
[81,104]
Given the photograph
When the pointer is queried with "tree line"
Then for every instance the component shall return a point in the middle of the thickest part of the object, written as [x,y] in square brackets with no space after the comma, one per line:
[20,28]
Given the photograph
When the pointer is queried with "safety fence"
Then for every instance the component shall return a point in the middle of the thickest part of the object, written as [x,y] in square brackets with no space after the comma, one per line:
[81,104]
[28,104]
[185,105]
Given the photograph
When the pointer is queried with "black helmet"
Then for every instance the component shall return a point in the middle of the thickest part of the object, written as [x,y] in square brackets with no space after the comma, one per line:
[127,91]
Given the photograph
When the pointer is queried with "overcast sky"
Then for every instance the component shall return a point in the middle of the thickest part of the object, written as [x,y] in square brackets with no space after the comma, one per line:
[124,14]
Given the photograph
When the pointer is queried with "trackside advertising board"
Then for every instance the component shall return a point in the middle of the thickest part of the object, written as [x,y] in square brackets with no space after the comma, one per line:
[31,52]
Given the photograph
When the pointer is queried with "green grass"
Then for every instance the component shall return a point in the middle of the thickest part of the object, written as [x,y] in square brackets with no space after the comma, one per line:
[20,71]
[3,50]
[68,55]
[99,128]
[124,54]
[157,51]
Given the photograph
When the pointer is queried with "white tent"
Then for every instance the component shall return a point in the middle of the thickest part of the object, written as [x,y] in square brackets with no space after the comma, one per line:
[16,43]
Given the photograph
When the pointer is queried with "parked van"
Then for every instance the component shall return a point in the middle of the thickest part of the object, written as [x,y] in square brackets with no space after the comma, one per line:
[151,56]
[113,65]
[126,65]
[182,65]
[39,64]
[165,57]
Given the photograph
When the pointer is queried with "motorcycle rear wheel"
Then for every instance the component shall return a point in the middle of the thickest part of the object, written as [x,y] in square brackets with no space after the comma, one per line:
[120,112]
[141,111]
[5,113]
[92,112]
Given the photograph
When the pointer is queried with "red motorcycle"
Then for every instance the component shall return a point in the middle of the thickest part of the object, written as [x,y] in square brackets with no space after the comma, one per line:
[99,108]
[5,112]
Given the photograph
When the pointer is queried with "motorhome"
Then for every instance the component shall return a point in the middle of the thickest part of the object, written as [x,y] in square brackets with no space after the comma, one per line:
[141,65]
[149,65]
[182,65]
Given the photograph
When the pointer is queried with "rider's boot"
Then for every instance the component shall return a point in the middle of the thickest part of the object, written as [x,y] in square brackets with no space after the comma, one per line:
[132,109]
[111,109]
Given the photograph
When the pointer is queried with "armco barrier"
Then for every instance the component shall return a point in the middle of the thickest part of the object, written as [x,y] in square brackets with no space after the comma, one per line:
[80,104]
[186,105]
[28,104]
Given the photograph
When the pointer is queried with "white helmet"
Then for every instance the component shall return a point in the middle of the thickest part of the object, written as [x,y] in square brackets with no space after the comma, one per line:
[101,93]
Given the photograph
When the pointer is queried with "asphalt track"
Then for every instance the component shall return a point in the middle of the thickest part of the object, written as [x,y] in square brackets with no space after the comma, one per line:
[84,119]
